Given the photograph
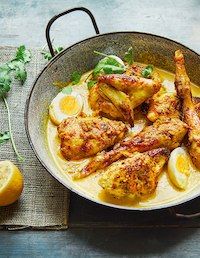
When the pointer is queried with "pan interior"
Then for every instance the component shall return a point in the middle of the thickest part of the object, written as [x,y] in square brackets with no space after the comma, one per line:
[80,57]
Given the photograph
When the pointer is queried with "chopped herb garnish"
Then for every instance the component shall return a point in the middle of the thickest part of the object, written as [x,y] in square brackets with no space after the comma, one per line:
[75,77]
[90,84]
[23,55]
[147,71]
[108,65]
[47,55]
[4,137]
[128,57]
[67,90]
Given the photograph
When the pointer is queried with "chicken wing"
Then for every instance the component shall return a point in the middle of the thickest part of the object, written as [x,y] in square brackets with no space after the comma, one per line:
[163,104]
[182,83]
[165,132]
[102,106]
[84,137]
[138,89]
[120,100]
[136,176]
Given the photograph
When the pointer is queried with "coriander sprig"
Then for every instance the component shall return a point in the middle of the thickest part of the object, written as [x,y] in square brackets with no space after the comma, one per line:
[47,55]
[19,157]
[17,68]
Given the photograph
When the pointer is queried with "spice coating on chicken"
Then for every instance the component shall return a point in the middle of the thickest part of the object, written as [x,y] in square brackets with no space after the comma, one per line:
[84,137]
[139,89]
[120,100]
[165,132]
[102,106]
[116,95]
[191,117]
[163,104]
[134,176]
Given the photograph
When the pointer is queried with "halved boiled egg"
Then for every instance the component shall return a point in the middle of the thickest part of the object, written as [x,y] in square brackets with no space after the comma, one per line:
[65,105]
[179,167]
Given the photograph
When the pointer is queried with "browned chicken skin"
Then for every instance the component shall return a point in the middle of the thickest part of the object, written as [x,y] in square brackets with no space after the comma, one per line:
[139,89]
[117,95]
[163,104]
[135,176]
[120,100]
[165,132]
[103,106]
[182,83]
[84,137]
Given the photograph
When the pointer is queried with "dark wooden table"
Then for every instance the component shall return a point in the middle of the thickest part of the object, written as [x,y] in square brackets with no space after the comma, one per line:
[96,231]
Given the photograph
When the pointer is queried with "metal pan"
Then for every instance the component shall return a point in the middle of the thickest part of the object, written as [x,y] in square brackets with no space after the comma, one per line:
[148,48]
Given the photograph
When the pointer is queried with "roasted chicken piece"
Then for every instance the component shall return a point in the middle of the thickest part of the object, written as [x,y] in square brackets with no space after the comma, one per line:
[136,176]
[182,83]
[120,100]
[115,96]
[102,106]
[163,104]
[138,89]
[136,70]
[165,132]
[84,137]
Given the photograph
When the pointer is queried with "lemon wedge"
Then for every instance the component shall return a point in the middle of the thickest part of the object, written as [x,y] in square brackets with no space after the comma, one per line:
[179,167]
[11,183]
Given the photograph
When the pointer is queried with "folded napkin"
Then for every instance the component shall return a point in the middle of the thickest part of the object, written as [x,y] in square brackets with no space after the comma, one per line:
[44,202]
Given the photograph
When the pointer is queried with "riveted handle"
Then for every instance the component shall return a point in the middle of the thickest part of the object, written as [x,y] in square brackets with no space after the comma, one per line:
[53,19]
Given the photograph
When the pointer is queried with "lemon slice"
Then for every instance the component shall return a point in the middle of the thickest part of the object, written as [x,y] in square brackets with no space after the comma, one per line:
[179,167]
[11,183]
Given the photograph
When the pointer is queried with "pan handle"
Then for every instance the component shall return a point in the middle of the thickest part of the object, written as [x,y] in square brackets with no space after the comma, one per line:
[183,216]
[53,19]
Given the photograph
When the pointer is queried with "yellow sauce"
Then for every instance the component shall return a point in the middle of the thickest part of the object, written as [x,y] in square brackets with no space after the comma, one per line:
[165,192]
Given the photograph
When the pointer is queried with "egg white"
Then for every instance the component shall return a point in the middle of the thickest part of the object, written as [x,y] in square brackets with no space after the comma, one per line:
[178,178]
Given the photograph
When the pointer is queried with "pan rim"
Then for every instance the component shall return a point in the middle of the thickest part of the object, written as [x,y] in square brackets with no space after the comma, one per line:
[81,194]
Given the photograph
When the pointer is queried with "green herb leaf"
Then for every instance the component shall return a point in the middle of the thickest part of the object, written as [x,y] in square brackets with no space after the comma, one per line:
[90,84]
[16,65]
[5,84]
[147,71]
[109,69]
[4,137]
[19,68]
[75,77]
[128,57]
[23,54]
[67,90]
[4,70]
[108,65]
[58,49]
[47,55]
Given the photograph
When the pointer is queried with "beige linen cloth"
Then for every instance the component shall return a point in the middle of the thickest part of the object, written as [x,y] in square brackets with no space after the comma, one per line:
[44,202]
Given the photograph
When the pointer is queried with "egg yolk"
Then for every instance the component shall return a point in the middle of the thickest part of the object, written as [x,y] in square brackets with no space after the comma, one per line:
[69,105]
[182,164]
